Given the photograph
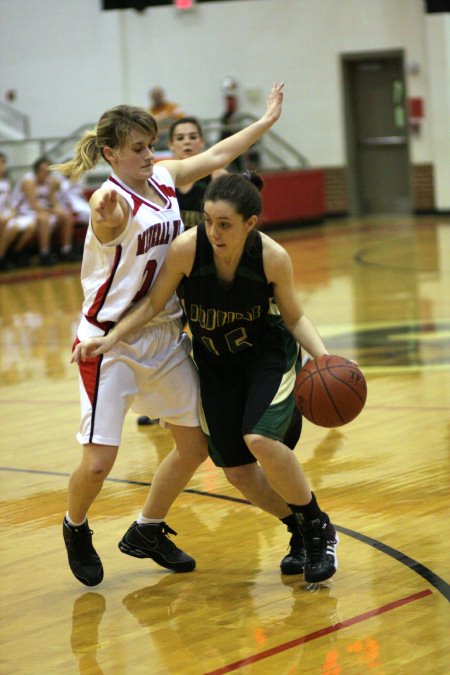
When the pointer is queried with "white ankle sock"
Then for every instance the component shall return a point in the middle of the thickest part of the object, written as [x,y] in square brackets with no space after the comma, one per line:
[142,520]
[71,523]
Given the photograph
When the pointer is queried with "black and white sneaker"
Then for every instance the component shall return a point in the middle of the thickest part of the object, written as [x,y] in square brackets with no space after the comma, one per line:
[151,541]
[294,561]
[320,540]
[84,561]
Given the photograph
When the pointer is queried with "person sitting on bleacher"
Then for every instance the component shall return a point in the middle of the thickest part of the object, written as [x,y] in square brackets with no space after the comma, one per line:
[36,193]
[15,231]
[72,197]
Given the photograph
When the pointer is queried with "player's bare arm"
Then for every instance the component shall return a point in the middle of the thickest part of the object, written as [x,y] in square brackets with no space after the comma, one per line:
[109,214]
[279,271]
[178,262]
[219,155]
[29,190]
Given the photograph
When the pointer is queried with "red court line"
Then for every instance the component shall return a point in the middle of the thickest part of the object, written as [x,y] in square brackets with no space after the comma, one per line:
[319,633]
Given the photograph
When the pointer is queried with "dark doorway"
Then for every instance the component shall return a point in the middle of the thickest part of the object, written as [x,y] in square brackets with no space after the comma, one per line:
[377,133]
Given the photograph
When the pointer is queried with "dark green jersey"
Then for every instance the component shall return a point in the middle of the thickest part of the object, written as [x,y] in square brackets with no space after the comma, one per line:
[191,202]
[245,356]
[224,319]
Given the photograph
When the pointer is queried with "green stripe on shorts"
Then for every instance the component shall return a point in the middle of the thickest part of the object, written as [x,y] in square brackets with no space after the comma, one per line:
[275,421]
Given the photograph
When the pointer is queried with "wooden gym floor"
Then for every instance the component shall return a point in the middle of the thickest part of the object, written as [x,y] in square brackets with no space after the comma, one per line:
[379,291]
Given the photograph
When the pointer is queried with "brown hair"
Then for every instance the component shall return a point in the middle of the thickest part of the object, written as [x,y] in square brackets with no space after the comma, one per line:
[112,130]
[185,120]
[240,190]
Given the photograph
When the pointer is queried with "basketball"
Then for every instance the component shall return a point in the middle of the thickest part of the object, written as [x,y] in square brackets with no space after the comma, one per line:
[330,391]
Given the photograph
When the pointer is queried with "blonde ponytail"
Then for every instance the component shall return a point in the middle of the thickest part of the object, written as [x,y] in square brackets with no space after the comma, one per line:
[87,155]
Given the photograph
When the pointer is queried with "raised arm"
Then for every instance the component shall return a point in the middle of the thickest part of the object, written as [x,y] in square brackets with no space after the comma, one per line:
[191,169]
[278,268]
[177,263]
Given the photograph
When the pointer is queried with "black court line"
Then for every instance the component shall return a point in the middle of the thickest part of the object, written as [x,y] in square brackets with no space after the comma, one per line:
[436,581]
[360,259]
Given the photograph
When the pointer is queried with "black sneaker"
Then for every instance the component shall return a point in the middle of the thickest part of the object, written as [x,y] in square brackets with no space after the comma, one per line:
[294,561]
[48,259]
[6,265]
[320,540]
[151,541]
[144,421]
[69,256]
[84,562]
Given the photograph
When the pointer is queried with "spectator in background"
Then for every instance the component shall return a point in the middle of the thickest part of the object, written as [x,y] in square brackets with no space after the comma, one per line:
[71,196]
[228,118]
[164,112]
[16,231]
[230,124]
[36,193]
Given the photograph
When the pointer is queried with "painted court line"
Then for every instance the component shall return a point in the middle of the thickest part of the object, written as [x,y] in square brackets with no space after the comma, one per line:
[319,633]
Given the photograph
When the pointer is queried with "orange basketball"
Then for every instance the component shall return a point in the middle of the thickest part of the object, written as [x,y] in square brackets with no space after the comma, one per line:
[330,391]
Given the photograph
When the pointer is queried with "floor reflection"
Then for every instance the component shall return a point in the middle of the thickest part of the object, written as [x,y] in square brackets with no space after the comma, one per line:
[38,324]
[88,610]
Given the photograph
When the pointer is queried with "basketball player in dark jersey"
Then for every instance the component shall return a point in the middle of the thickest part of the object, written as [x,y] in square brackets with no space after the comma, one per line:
[237,288]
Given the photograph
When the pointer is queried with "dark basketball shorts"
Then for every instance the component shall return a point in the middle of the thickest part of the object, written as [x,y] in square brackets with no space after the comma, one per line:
[253,396]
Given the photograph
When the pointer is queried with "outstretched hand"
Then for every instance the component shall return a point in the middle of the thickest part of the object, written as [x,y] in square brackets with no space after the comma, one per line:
[90,348]
[275,102]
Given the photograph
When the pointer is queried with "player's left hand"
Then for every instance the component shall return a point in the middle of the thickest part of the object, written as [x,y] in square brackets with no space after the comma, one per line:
[275,102]
[90,348]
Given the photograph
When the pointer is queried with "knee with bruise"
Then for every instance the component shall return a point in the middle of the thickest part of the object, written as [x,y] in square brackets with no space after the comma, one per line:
[97,471]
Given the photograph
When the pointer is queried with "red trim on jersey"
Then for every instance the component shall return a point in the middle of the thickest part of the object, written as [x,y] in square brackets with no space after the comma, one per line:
[89,373]
[136,204]
[102,293]
[167,190]
[138,200]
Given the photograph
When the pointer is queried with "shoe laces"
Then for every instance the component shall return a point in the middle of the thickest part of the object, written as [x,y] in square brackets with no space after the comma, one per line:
[165,544]
[319,533]
[80,536]
[296,544]
[165,529]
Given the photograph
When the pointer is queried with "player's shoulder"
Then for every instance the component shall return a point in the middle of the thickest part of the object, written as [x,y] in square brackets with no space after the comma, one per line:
[272,247]
[276,259]
[182,251]
[186,241]
[27,179]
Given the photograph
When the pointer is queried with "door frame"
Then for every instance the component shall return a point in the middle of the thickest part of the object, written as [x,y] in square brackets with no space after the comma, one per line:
[354,201]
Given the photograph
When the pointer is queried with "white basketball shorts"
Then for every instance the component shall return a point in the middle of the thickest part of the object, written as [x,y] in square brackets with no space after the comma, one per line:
[152,372]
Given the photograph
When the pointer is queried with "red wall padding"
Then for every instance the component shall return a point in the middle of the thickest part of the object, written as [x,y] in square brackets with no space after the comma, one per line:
[290,196]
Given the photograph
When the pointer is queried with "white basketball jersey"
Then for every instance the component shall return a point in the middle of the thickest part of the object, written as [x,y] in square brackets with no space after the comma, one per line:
[20,200]
[5,194]
[116,275]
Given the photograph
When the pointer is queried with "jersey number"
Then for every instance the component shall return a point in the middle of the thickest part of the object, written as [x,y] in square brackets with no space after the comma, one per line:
[236,341]
[149,274]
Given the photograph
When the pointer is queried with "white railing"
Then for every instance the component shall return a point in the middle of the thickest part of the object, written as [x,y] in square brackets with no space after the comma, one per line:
[274,153]
[13,124]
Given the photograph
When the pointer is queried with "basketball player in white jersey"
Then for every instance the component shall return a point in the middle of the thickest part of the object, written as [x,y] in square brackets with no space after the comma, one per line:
[134,218]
